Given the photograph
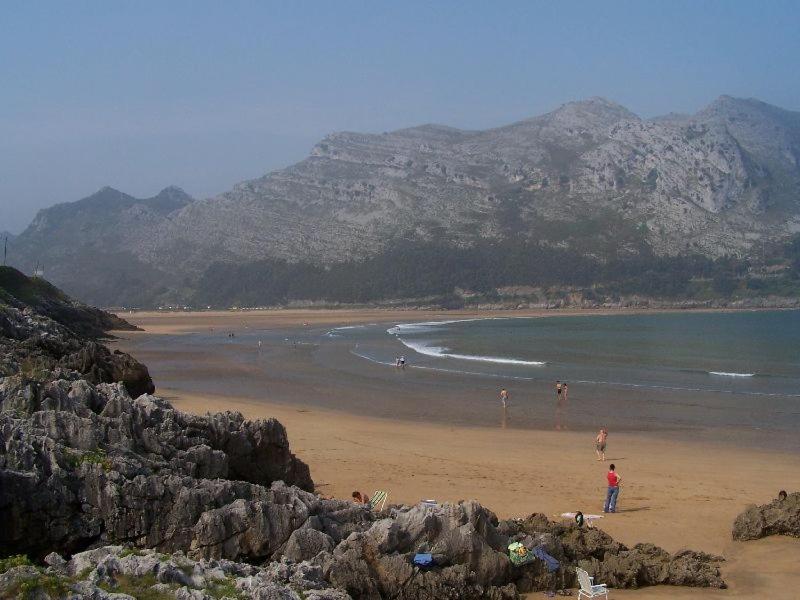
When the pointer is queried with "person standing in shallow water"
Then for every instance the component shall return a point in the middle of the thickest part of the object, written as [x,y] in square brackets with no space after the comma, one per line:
[613,490]
[561,399]
[504,397]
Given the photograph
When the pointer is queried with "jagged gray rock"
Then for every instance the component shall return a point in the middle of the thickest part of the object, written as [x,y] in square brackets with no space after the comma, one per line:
[779,517]
[38,349]
[118,573]
[96,465]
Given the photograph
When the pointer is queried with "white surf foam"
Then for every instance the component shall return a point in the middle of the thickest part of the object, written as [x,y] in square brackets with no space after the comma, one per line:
[726,374]
[442,352]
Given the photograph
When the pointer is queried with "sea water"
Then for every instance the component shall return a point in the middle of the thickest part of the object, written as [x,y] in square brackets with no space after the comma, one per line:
[752,353]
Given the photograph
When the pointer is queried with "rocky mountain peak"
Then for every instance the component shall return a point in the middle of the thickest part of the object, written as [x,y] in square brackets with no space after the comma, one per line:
[593,111]
[590,178]
[169,199]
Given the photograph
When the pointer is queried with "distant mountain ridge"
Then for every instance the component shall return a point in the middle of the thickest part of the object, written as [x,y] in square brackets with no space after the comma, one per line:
[590,177]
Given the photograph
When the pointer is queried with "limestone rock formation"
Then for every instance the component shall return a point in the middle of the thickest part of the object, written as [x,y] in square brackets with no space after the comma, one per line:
[779,517]
[118,573]
[39,349]
[590,176]
[95,465]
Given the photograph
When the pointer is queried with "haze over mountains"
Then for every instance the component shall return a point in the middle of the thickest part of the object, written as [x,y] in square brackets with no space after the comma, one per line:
[590,180]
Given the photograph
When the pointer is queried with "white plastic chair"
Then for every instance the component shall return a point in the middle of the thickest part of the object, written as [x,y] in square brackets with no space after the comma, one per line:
[588,589]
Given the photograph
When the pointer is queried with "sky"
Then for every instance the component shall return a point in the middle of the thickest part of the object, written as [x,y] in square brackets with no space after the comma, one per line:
[141,95]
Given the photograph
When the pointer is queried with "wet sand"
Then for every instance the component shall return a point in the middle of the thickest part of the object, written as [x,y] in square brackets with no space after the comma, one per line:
[189,321]
[677,491]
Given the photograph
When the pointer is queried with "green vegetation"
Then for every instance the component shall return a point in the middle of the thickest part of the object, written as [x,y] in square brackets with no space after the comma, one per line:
[97,456]
[140,588]
[33,583]
[33,586]
[34,368]
[224,589]
[18,560]
[30,290]
[434,272]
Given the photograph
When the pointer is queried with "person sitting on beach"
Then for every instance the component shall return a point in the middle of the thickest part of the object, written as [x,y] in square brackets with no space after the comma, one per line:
[613,490]
[782,495]
[360,498]
[600,444]
[504,397]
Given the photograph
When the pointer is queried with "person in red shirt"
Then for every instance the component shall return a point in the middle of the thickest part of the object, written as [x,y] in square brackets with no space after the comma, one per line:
[613,490]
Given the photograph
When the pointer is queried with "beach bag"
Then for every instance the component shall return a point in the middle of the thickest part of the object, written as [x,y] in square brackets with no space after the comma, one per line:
[519,554]
[551,563]
[423,560]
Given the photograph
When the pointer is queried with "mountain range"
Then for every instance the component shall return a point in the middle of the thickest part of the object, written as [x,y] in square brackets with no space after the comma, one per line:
[590,180]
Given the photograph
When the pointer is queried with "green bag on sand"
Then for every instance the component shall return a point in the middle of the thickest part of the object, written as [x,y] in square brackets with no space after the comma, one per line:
[519,554]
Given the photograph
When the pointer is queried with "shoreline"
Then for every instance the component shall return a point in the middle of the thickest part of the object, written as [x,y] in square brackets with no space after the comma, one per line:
[679,488]
[300,363]
[187,321]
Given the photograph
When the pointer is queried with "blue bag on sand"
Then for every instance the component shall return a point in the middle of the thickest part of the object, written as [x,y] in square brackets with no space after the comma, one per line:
[552,563]
[423,560]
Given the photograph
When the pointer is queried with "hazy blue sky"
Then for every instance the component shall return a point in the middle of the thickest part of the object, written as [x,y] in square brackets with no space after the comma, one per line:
[140,95]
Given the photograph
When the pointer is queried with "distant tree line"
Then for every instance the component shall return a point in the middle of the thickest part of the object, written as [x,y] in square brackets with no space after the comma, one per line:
[429,269]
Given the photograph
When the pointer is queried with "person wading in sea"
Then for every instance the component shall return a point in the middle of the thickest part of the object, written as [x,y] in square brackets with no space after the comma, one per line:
[504,397]
[561,397]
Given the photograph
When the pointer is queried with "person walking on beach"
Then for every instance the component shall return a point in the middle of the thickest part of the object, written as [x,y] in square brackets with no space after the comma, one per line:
[564,390]
[504,397]
[403,363]
[600,444]
[559,389]
[613,490]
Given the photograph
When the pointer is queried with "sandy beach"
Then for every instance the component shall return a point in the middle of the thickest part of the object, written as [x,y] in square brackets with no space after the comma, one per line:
[190,321]
[677,492]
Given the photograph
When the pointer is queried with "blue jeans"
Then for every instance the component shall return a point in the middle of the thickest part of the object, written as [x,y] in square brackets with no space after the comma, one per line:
[611,499]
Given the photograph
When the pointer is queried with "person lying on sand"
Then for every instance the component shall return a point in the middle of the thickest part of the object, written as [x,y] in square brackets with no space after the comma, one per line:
[360,498]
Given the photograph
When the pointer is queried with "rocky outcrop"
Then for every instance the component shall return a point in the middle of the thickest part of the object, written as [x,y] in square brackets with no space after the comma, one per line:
[118,573]
[469,547]
[39,350]
[36,294]
[779,517]
[96,466]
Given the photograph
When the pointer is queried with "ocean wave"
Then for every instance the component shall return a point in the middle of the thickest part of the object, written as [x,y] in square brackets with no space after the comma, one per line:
[726,374]
[335,331]
[442,352]
[428,326]
[621,384]
[423,326]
